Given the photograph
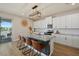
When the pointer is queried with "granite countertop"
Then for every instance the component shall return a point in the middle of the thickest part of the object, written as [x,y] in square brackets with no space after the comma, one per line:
[40,37]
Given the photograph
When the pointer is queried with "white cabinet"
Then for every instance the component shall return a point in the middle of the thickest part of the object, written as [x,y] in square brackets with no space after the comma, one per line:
[67,21]
[59,22]
[75,42]
[68,40]
[72,41]
[60,39]
[72,21]
[63,22]
[75,21]
[55,22]
[43,23]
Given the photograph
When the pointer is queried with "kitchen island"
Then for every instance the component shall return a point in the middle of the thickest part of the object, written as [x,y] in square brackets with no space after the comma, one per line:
[41,42]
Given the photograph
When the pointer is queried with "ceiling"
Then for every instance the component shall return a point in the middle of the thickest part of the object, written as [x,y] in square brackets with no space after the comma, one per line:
[25,9]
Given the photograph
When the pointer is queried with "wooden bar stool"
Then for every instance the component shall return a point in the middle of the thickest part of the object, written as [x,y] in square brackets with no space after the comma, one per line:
[28,41]
[19,41]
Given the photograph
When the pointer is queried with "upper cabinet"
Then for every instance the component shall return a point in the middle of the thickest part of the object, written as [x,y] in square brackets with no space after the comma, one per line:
[59,22]
[55,22]
[75,21]
[68,21]
[72,21]
[43,23]
[62,21]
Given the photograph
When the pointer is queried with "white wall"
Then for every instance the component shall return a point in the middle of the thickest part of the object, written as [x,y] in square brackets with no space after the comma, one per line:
[17,28]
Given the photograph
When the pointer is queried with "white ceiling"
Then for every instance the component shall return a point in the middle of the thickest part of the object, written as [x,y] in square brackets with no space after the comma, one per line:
[24,9]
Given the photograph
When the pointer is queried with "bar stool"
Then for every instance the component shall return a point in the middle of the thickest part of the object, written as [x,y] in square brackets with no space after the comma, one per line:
[19,41]
[26,50]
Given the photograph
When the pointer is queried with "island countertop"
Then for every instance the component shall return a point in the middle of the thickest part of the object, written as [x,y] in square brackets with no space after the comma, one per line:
[40,37]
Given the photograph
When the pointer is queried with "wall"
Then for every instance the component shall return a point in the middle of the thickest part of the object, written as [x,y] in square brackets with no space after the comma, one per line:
[17,28]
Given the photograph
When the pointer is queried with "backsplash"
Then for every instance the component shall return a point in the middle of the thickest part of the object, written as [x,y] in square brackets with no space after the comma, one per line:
[71,31]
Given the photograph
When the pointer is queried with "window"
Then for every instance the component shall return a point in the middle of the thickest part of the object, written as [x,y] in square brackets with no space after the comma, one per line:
[5,30]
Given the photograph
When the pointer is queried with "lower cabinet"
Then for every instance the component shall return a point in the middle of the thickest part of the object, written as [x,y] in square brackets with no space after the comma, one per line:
[75,42]
[72,41]
[68,40]
[60,39]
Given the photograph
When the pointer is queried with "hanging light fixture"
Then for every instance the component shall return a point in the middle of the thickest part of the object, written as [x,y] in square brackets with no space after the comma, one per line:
[35,14]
